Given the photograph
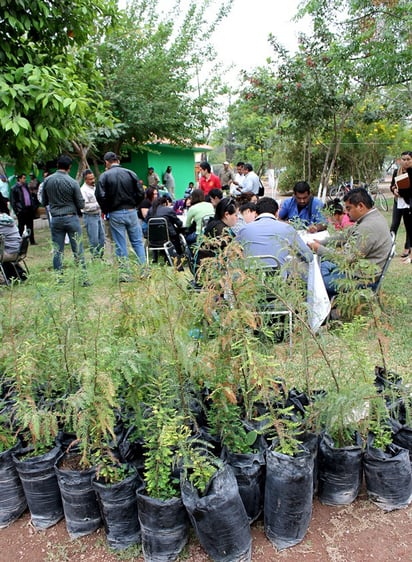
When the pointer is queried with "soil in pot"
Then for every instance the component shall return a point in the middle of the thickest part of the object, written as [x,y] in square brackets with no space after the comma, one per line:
[40,487]
[81,508]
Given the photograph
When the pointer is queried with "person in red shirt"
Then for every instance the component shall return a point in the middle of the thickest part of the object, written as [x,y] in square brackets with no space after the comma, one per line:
[208,180]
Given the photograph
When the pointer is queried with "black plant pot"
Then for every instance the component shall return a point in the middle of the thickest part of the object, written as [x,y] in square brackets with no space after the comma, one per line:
[388,477]
[288,497]
[81,508]
[402,436]
[164,525]
[219,518]
[340,471]
[12,499]
[40,487]
[249,471]
[118,506]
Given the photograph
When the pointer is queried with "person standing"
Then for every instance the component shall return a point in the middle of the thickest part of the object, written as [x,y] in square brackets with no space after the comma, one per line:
[118,193]
[153,179]
[237,182]
[226,177]
[169,182]
[24,206]
[401,208]
[62,193]
[250,182]
[208,181]
[92,215]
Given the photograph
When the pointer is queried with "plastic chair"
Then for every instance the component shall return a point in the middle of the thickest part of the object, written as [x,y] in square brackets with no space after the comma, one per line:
[157,235]
[385,268]
[268,265]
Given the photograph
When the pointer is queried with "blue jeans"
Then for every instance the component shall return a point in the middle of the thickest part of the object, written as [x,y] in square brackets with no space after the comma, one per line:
[95,234]
[122,221]
[70,225]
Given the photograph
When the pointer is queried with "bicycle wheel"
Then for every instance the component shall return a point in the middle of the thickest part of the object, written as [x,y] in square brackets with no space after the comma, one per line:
[381,201]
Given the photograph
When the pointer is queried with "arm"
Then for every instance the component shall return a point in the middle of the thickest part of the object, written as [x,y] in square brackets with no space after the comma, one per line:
[78,197]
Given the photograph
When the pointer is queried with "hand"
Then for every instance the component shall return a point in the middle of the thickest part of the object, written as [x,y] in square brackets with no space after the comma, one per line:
[312,228]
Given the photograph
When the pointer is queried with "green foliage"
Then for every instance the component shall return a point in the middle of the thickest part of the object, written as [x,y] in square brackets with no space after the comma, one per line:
[108,468]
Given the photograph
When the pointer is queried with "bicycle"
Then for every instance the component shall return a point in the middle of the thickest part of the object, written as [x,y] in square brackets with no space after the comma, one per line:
[339,191]
[378,196]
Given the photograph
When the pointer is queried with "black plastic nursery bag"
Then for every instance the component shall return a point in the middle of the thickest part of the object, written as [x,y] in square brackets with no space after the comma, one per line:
[12,499]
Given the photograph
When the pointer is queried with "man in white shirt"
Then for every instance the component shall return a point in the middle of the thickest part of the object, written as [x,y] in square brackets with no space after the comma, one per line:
[250,181]
[92,216]
[237,182]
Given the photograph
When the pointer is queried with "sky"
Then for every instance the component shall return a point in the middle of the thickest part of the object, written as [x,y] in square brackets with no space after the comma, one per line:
[241,39]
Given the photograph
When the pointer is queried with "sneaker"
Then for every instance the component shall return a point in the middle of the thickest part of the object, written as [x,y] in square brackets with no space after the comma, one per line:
[406,260]
[405,254]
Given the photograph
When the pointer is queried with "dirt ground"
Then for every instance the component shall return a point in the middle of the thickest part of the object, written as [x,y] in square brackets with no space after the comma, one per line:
[354,533]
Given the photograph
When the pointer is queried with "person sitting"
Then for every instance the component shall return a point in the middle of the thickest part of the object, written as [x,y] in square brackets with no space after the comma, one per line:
[218,229]
[215,196]
[246,214]
[303,209]
[198,210]
[163,207]
[337,215]
[369,239]
[181,206]
[270,237]
[151,194]
[12,238]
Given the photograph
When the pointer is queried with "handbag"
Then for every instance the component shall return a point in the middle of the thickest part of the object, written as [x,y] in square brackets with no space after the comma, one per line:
[402,181]
[261,191]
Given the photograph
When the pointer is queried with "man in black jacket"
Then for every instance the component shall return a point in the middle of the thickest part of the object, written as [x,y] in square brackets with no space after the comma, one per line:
[118,193]
[24,205]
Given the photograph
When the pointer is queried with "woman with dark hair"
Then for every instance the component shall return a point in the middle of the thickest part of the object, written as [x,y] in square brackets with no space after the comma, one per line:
[163,207]
[338,217]
[142,210]
[402,204]
[219,229]
[12,238]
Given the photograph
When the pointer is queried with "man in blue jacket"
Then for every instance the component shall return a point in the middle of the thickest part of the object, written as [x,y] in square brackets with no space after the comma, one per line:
[303,209]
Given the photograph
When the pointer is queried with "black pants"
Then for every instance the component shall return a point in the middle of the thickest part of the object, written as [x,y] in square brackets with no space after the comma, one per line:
[25,219]
[397,215]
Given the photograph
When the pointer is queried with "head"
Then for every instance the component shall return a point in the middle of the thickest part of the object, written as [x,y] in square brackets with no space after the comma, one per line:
[110,158]
[188,202]
[248,212]
[88,177]
[168,169]
[205,168]
[3,205]
[335,210]
[191,185]
[358,202]
[247,168]
[151,194]
[406,159]
[226,211]
[226,165]
[301,192]
[239,167]
[64,163]
[21,178]
[197,196]
[215,195]
[267,205]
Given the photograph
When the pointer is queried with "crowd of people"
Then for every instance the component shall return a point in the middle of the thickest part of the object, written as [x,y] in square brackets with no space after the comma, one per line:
[223,208]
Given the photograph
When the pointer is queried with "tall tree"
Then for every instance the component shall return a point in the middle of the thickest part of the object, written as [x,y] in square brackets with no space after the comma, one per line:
[49,86]
[157,70]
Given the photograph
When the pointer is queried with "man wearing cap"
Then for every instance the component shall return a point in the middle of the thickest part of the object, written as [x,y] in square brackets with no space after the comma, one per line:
[118,193]
[226,176]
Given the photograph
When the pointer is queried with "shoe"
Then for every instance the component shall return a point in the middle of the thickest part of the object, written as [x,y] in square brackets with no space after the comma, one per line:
[406,260]
[86,284]
[405,254]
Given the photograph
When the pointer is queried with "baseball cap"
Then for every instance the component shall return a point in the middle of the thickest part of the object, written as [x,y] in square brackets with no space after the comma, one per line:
[110,156]
[226,162]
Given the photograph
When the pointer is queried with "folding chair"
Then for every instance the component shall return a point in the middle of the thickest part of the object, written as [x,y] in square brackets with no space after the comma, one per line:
[20,261]
[157,235]
[205,220]
[265,266]
[7,282]
[378,285]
